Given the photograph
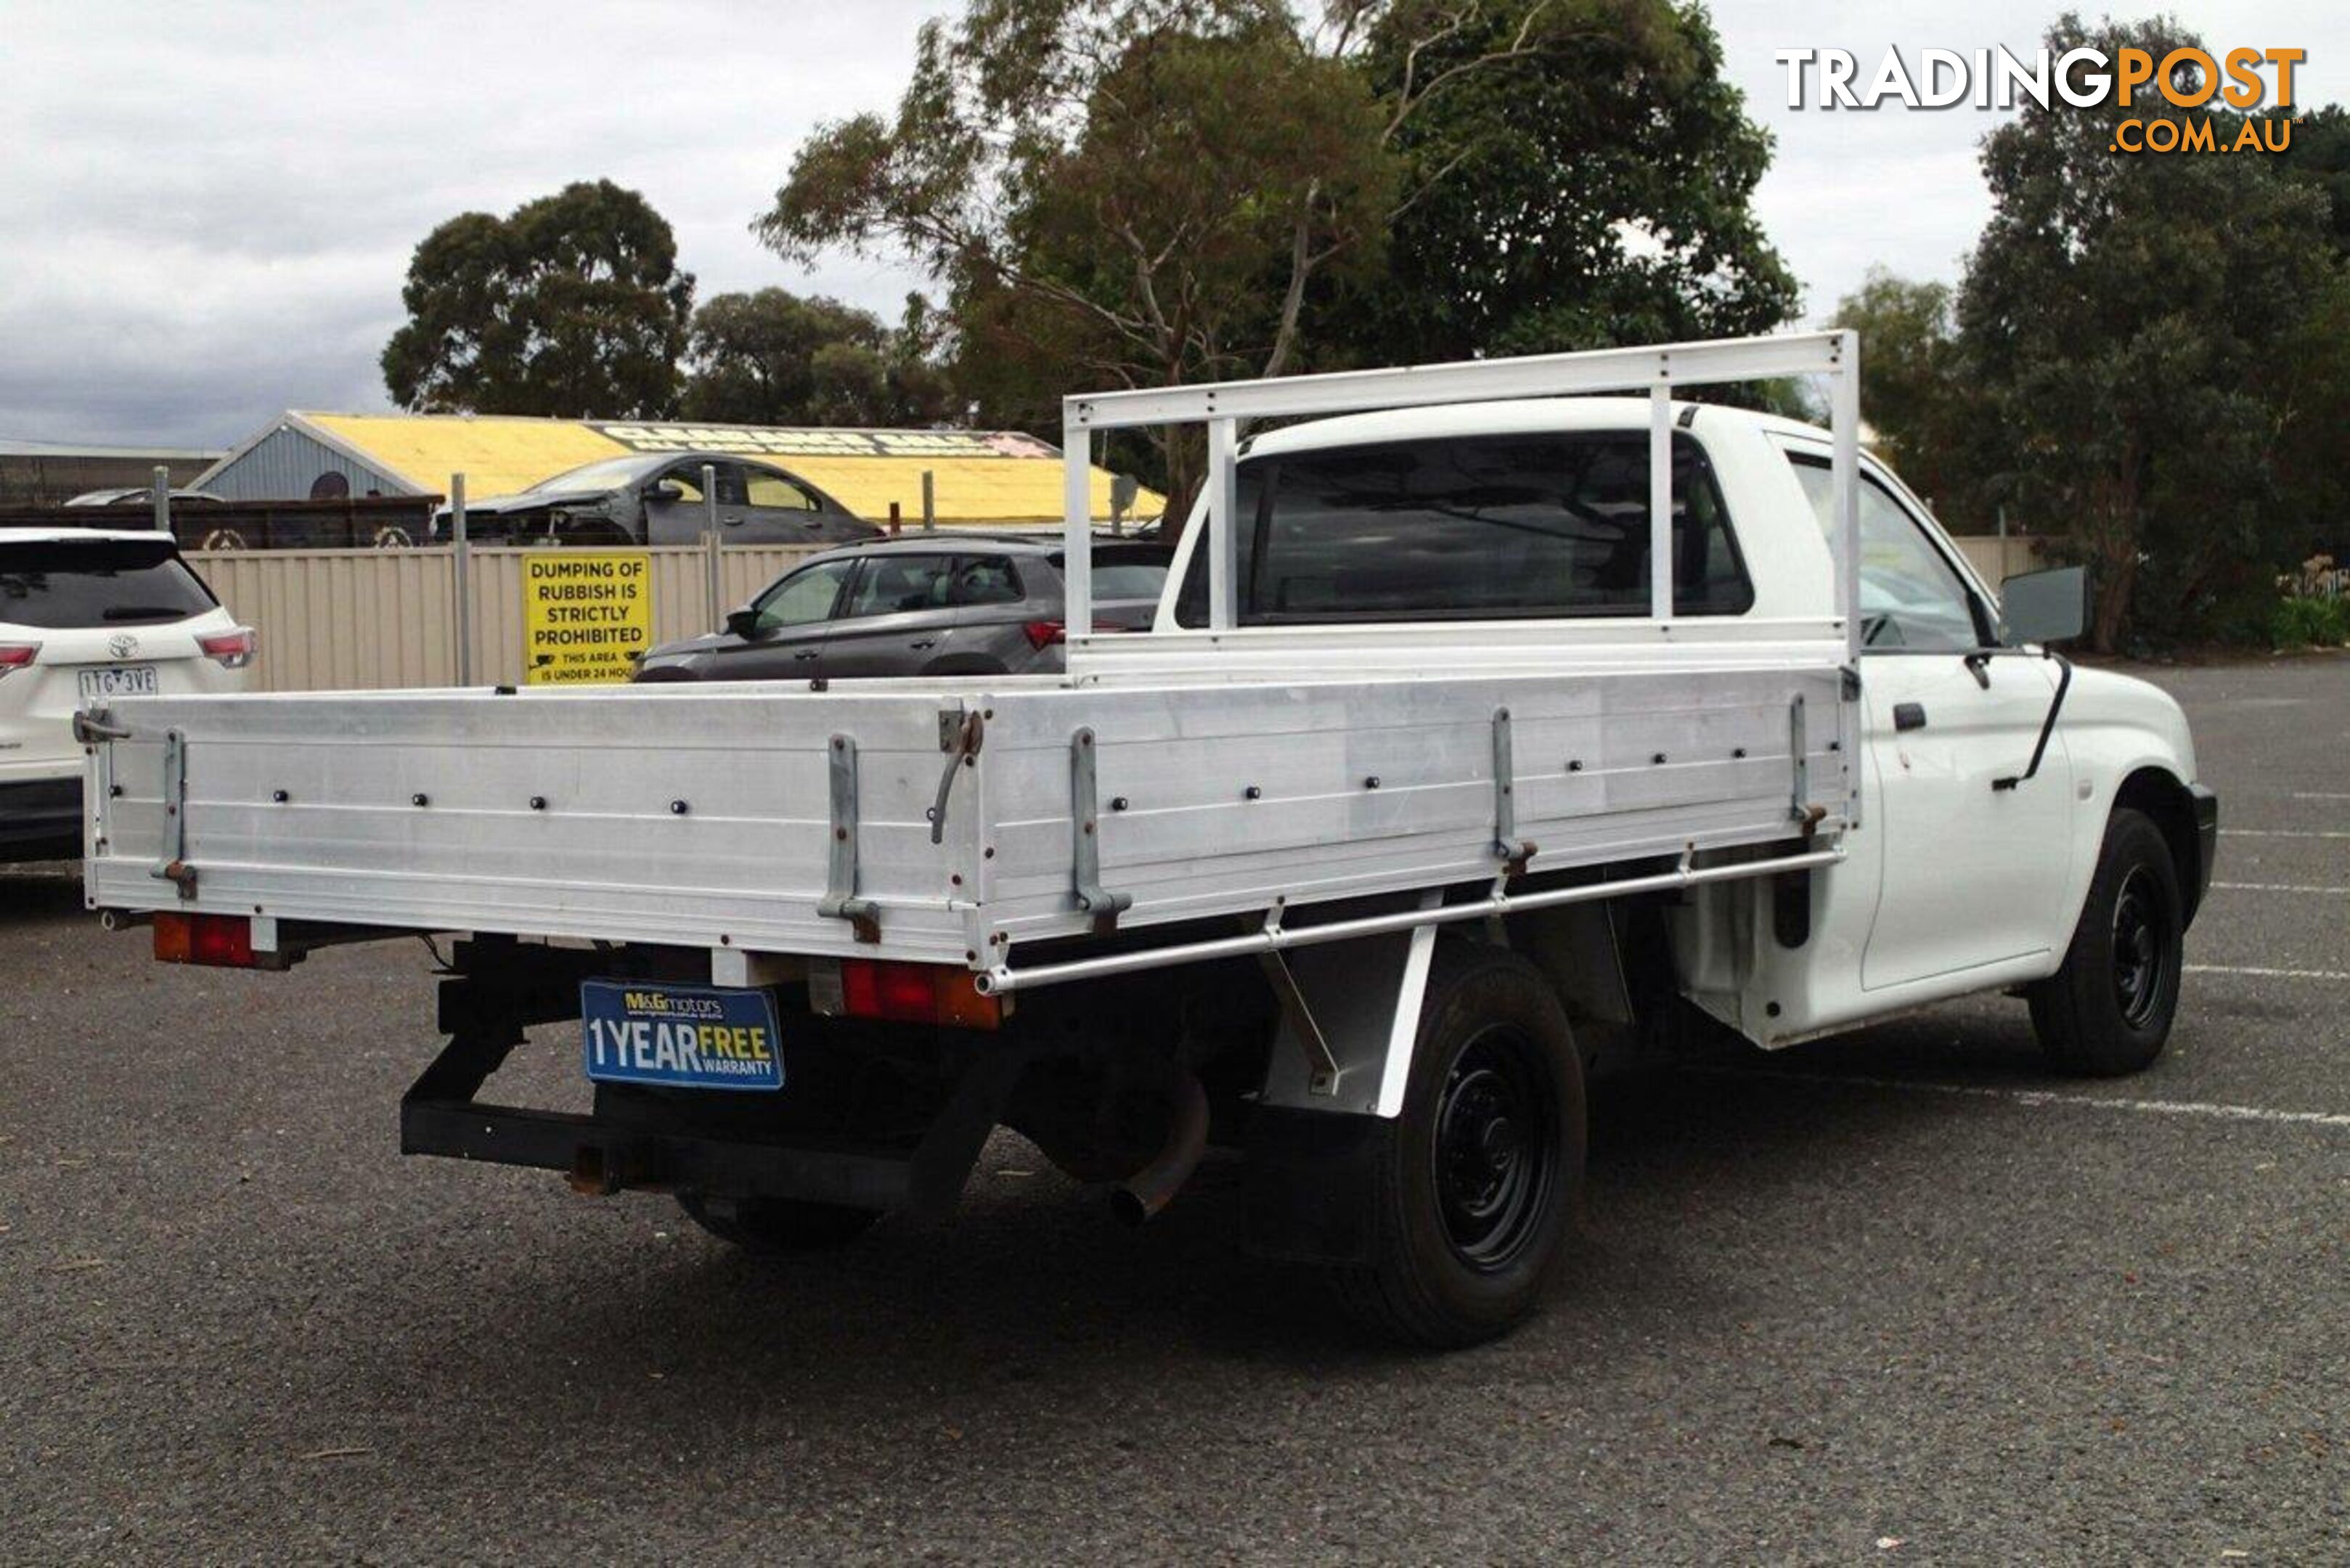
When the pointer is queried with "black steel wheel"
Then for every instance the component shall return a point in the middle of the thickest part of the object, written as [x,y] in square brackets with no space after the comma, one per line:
[1497,1151]
[2145,948]
[2108,1009]
[1478,1179]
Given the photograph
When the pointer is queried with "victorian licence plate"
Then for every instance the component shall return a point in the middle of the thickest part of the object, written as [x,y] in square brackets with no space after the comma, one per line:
[127,680]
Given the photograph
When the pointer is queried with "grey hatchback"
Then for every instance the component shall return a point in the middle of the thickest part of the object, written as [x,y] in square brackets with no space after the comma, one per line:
[959,603]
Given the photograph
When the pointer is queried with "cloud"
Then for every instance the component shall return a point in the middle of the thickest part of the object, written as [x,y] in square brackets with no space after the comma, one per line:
[1902,188]
[210,207]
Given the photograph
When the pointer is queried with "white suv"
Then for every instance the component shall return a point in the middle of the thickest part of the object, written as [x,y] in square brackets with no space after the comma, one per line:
[85,615]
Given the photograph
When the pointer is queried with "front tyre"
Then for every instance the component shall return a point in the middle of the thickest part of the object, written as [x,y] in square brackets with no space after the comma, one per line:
[1474,1195]
[777,1226]
[2109,1011]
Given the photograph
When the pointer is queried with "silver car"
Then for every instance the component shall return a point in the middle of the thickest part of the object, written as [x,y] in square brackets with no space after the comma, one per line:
[956,603]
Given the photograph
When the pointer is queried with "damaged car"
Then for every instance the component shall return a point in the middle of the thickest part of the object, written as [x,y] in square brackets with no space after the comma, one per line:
[657,498]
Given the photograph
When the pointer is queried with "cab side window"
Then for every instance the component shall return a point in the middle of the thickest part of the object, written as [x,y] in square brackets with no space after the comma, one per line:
[1911,600]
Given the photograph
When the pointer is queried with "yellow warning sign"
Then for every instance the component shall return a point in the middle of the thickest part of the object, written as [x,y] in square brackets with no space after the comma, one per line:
[586,615]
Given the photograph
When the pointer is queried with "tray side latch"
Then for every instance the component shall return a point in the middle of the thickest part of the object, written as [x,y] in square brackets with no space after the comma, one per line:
[1085,834]
[960,735]
[171,862]
[1513,851]
[841,901]
[1799,746]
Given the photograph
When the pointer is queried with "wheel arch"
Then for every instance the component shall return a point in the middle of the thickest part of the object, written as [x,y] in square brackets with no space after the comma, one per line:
[2160,795]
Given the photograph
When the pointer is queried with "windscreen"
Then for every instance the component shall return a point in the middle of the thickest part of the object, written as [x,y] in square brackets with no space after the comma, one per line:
[1540,524]
[609,474]
[96,582]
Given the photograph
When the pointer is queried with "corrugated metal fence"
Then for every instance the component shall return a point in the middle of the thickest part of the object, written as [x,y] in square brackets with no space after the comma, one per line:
[359,620]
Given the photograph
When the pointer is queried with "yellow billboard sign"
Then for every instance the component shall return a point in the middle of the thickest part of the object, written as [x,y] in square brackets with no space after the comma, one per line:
[586,615]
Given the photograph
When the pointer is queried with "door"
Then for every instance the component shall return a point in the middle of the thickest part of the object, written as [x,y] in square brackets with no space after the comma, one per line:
[792,618]
[900,617]
[685,520]
[779,510]
[1969,875]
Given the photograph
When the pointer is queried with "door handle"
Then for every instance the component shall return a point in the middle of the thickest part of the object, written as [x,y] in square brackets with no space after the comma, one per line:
[807,653]
[731,522]
[1908,715]
[926,642]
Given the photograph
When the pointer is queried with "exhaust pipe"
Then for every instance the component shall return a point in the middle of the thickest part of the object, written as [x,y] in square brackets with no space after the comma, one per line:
[1150,1189]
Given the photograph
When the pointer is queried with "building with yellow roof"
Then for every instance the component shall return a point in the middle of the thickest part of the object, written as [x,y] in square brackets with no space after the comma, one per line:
[978,478]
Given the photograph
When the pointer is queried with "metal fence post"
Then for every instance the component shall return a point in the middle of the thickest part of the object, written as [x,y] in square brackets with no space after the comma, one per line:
[929,505]
[461,566]
[162,497]
[710,547]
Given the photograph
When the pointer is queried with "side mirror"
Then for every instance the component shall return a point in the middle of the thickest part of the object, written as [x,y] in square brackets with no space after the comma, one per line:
[668,492]
[742,623]
[2045,606]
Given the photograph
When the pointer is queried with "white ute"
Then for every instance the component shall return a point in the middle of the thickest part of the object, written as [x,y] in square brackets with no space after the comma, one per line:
[88,614]
[1486,734]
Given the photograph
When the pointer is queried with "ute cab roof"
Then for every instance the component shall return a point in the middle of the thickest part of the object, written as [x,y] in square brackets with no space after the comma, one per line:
[47,533]
[1515,415]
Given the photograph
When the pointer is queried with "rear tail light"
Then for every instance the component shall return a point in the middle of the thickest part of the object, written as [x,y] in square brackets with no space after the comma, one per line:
[916,993]
[223,941]
[1044,634]
[234,650]
[15,656]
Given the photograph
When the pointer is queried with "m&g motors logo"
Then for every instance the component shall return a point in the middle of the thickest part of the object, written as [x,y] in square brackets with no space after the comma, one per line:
[2247,80]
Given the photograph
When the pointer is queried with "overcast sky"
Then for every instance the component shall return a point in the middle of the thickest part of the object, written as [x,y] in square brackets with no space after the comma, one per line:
[207,208]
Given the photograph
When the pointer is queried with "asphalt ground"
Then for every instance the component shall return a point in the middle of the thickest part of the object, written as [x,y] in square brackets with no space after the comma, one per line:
[1898,1297]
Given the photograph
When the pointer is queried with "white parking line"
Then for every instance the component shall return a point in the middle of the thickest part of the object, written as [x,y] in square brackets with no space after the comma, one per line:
[2319,795]
[2278,888]
[2269,973]
[2278,833]
[2200,1109]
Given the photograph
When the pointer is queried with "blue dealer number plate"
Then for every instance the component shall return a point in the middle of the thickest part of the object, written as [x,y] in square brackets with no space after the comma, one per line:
[679,1037]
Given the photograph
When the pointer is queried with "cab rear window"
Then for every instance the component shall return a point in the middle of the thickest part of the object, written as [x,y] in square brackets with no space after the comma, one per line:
[96,582]
[1541,525]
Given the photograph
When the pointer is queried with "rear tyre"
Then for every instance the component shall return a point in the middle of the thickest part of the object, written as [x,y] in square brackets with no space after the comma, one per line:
[777,1226]
[2109,1011]
[1474,1195]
